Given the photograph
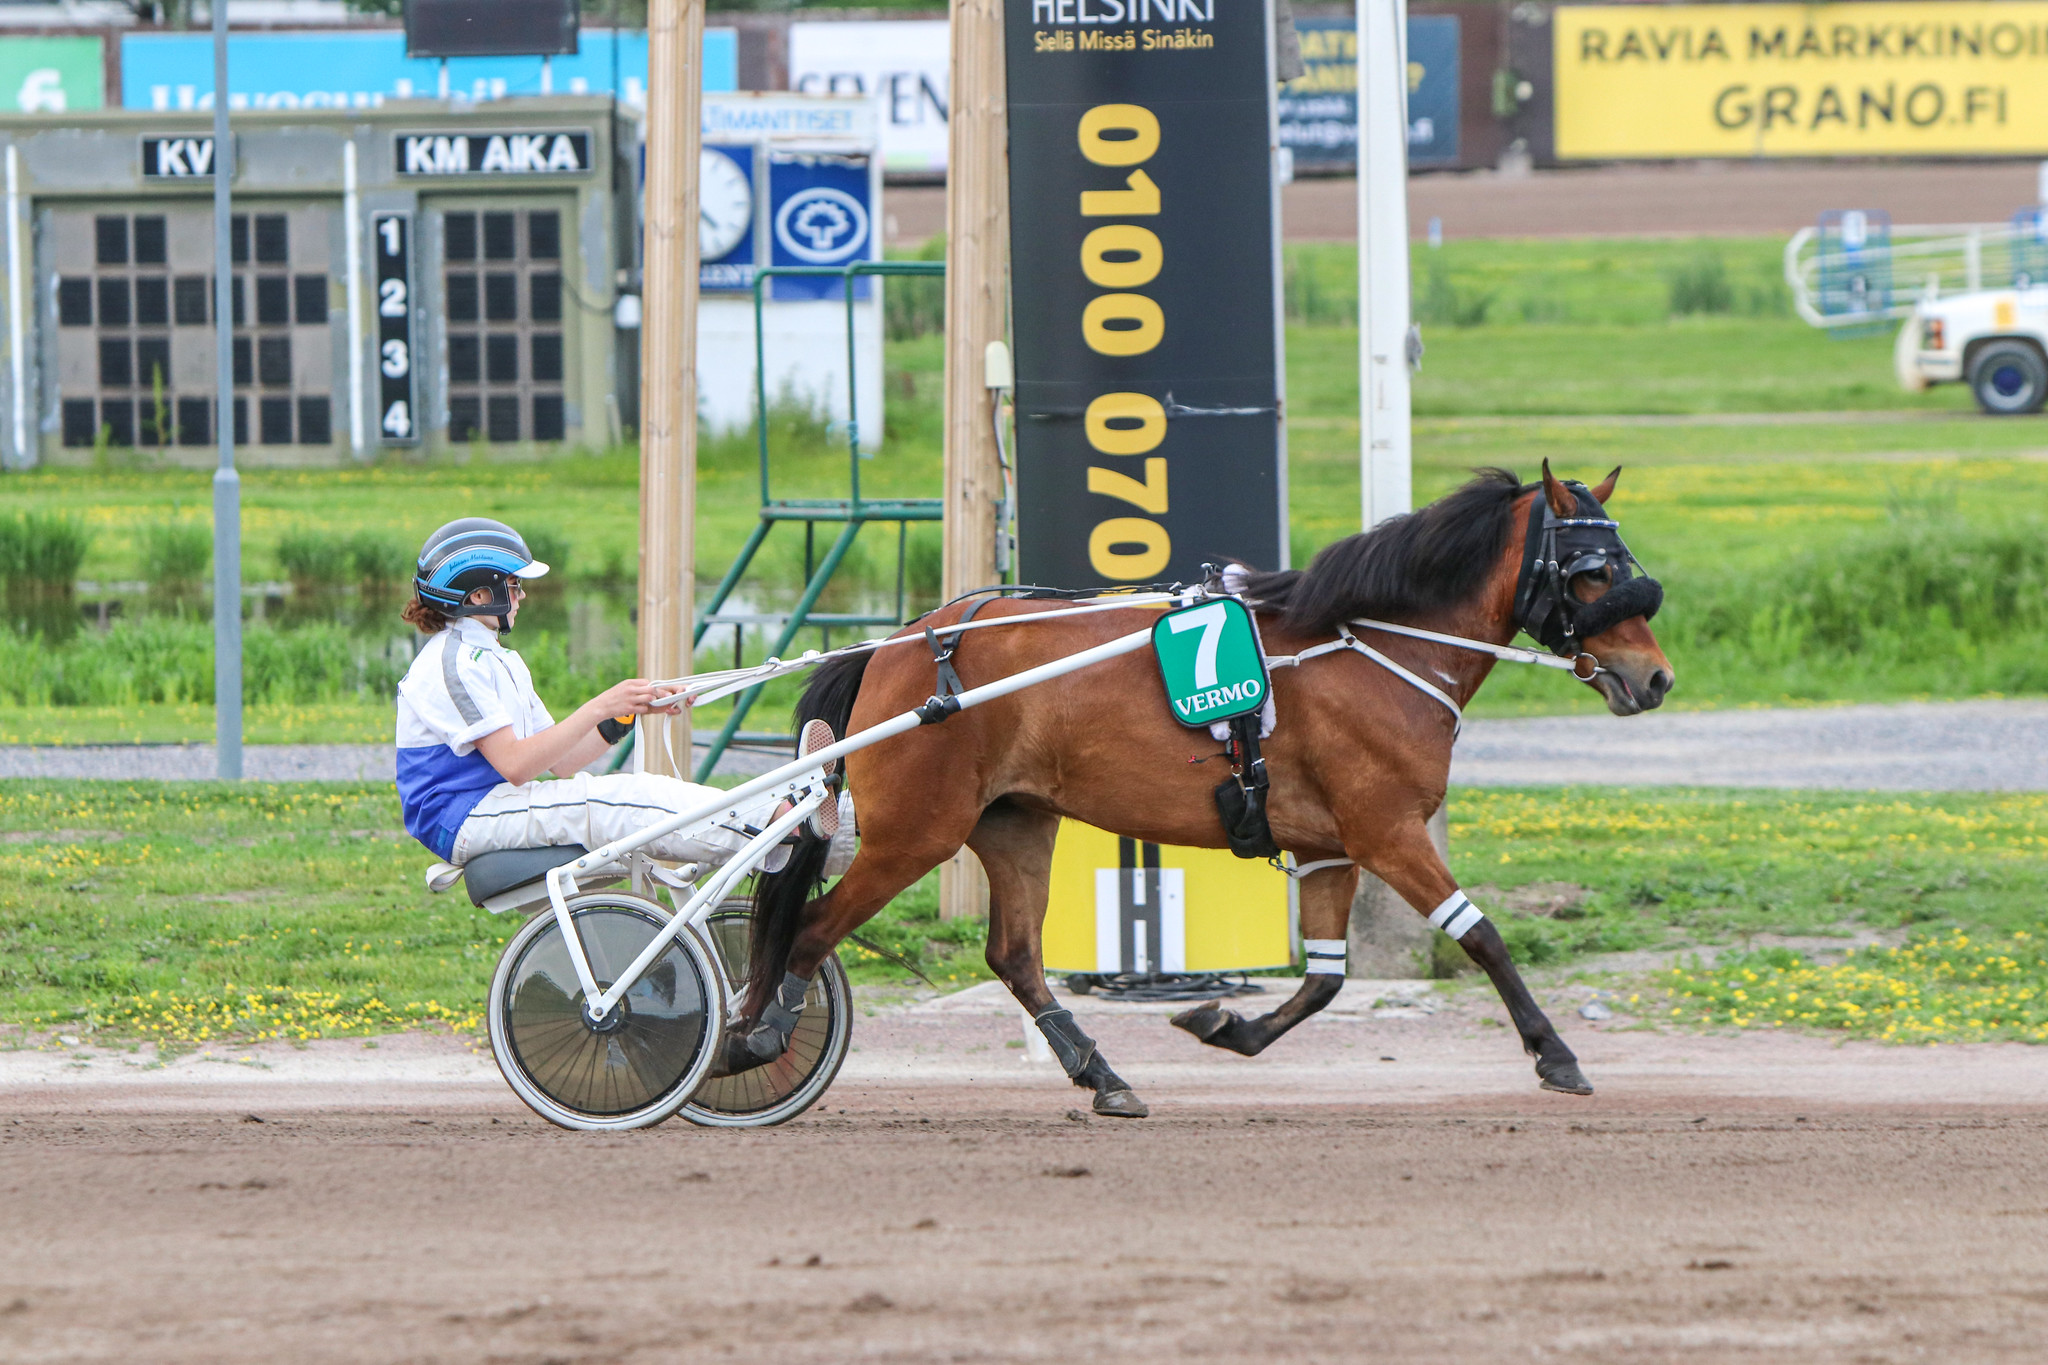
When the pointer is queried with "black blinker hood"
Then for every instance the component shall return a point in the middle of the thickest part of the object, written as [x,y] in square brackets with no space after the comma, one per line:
[1632,597]
[1555,549]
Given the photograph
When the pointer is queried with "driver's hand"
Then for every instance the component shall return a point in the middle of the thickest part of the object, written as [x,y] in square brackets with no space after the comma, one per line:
[632,697]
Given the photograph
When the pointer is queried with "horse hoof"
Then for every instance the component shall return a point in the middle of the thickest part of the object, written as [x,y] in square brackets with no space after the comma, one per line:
[735,1056]
[1566,1079]
[1121,1104]
[1204,1021]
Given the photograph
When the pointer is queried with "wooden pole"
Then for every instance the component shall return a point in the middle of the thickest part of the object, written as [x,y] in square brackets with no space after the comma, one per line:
[977,294]
[1388,939]
[668,364]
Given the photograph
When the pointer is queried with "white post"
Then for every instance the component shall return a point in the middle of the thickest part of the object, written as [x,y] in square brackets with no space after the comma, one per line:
[352,237]
[1383,932]
[17,326]
[1385,459]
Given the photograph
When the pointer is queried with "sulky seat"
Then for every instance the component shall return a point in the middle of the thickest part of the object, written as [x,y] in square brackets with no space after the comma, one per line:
[489,875]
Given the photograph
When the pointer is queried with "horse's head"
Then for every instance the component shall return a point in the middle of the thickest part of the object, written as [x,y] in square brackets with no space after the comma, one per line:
[1585,597]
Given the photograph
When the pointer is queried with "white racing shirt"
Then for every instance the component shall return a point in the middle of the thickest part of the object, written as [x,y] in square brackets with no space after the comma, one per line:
[462,685]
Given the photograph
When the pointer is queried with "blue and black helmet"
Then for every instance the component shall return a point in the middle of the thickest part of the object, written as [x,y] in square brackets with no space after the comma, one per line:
[473,553]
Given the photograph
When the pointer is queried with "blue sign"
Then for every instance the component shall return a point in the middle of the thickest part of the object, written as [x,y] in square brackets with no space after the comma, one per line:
[726,240]
[1432,90]
[820,213]
[1319,109]
[2029,248]
[361,70]
[1855,250]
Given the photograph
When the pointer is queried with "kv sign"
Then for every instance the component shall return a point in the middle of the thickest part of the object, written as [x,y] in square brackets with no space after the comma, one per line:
[177,158]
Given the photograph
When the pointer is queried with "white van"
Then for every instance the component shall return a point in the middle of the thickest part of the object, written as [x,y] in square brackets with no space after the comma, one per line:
[1994,340]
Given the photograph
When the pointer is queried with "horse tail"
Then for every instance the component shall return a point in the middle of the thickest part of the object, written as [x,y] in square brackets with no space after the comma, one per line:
[779,897]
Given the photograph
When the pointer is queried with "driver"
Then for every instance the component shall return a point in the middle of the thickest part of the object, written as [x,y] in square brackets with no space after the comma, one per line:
[473,736]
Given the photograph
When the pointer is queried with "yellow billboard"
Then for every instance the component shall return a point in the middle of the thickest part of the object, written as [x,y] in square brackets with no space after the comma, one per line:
[1958,77]
[1120,905]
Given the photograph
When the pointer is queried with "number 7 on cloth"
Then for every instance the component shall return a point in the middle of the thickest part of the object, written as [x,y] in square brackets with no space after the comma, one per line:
[1210,660]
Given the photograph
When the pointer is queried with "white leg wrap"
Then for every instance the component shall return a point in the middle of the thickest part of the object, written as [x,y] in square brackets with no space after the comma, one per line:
[1456,916]
[1325,956]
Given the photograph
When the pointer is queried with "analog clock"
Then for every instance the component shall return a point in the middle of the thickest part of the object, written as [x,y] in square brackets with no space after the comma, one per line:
[725,199]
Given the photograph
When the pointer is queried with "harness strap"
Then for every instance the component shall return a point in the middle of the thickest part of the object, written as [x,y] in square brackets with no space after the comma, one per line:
[1241,798]
[1300,870]
[1346,640]
[1506,653]
[942,655]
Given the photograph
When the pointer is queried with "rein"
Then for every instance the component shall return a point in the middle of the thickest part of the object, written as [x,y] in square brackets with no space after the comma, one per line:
[1556,549]
[721,683]
[724,682]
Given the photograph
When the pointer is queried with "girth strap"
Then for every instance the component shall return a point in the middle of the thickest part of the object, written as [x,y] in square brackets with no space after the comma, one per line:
[1300,870]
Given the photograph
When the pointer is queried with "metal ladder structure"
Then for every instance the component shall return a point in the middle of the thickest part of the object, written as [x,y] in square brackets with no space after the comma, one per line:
[851,513]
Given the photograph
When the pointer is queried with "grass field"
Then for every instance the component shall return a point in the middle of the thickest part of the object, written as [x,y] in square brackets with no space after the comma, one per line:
[1756,449]
[181,911]
[1676,867]
[351,720]
[1822,538]
[190,912]
[1960,877]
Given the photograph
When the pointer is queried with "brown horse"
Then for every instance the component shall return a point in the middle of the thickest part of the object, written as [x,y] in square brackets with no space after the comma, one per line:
[1358,761]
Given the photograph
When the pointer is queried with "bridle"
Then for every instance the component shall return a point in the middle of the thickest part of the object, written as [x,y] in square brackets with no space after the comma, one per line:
[1559,549]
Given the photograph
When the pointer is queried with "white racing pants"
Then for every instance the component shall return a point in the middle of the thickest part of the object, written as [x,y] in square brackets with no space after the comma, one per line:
[593,810]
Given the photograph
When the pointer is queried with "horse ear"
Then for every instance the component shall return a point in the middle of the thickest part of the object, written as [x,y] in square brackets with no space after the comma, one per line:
[1557,495]
[1605,489]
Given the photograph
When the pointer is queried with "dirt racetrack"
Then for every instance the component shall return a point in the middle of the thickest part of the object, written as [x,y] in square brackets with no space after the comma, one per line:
[1719,1200]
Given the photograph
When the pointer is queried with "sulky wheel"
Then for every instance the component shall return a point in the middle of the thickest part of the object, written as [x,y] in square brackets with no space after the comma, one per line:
[640,1064]
[792,1083]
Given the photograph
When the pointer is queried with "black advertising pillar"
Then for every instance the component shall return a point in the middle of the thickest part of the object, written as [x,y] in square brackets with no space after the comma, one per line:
[1143,285]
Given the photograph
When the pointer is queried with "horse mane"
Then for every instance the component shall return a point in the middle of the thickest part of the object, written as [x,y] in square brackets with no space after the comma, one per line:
[1426,560]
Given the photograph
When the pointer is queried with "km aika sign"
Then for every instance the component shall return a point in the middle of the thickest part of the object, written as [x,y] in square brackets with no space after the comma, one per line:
[1954,78]
[1142,249]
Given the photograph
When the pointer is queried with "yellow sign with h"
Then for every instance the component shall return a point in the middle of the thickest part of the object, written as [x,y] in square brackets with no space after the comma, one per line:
[1122,905]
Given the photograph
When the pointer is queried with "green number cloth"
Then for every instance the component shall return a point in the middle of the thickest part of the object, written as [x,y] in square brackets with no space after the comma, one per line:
[1210,661]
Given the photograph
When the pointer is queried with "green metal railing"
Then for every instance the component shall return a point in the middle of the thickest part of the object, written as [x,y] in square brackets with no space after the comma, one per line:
[852,512]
